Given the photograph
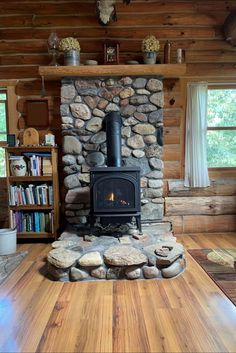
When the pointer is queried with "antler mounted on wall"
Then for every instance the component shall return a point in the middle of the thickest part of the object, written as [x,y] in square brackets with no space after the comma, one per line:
[106,10]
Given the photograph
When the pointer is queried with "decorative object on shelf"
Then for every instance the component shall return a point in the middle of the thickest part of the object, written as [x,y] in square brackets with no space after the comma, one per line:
[167,52]
[49,139]
[71,48]
[53,48]
[132,62]
[30,137]
[91,62]
[111,53]
[11,140]
[180,56]
[106,10]
[150,47]
[18,166]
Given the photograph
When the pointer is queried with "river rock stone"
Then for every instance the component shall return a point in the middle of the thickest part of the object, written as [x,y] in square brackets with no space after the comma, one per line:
[78,195]
[167,252]
[155,183]
[62,258]
[150,139]
[68,92]
[156,163]
[94,124]
[154,85]
[127,92]
[174,269]
[139,82]
[150,272]
[139,99]
[99,272]
[77,275]
[99,137]
[64,243]
[72,181]
[68,159]
[95,159]
[79,123]
[122,255]
[71,145]
[157,99]
[92,258]
[146,108]
[135,142]
[151,211]
[144,129]
[58,274]
[80,111]
[138,153]
[133,272]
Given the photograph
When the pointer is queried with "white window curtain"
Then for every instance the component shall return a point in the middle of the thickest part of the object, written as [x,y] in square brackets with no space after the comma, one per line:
[196,169]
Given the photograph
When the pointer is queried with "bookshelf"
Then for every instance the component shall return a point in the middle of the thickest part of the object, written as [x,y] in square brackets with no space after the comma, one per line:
[33,197]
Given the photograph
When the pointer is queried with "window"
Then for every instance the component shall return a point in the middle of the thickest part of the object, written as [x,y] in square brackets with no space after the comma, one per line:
[3,129]
[221,127]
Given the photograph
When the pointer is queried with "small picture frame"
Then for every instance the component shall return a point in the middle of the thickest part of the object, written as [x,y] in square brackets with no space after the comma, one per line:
[49,140]
[11,140]
[111,53]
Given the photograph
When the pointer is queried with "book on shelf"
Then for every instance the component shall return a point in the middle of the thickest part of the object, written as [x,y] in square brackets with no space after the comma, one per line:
[32,221]
[31,194]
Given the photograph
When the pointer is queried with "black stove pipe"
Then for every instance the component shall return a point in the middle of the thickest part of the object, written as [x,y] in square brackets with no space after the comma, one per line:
[113,123]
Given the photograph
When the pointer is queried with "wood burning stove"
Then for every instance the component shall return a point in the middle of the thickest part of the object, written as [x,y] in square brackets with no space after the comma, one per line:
[115,190]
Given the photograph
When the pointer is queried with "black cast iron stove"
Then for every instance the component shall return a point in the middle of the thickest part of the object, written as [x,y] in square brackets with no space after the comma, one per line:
[115,189]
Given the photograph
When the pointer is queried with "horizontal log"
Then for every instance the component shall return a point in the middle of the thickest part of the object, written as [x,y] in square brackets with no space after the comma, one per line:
[171,170]
[171,135]
[224,187]
[198,224]
[211,70]
[202,224]
[214,205]
[171,152]
[216,56]
[33,87]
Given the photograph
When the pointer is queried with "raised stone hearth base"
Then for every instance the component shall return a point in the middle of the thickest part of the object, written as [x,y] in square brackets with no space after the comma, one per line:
[116,254]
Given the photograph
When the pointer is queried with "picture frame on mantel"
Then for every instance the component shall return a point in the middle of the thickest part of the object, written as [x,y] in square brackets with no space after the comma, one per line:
[111,53]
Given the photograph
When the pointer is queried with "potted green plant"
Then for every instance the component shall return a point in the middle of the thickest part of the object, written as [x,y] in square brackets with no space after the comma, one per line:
[71,48]
[150,47]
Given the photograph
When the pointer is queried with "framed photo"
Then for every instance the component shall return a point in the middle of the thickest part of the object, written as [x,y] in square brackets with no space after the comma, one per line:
[49,140]
[111,53]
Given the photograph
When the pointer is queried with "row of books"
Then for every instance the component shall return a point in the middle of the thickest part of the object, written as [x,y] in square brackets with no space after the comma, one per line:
[37,164]
[30,195]
[32,221]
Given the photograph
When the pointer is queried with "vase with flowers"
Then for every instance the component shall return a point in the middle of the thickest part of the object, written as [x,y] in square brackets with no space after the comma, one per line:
[71,49]
[150,47]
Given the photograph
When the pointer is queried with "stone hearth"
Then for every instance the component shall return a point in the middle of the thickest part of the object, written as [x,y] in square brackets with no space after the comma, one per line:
[113,255]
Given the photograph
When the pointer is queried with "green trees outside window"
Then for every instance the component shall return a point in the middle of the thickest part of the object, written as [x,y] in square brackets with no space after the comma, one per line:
[221,131]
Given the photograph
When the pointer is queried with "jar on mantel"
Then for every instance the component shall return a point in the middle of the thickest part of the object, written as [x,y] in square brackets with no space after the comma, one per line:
[167,52]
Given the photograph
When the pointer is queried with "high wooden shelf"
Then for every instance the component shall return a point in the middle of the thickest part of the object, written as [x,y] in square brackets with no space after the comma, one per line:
[165,70]
[42,211]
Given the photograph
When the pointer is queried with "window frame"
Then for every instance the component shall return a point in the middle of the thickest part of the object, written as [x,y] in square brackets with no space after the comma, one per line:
[4,90]
[226,170]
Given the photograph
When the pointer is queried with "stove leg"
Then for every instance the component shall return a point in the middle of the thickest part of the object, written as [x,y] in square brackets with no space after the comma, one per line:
[138,223]
[91,223]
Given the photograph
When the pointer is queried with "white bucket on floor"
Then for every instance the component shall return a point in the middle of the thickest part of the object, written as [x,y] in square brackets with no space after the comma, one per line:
[7,241]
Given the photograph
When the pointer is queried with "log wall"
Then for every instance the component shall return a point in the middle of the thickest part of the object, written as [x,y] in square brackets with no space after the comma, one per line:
[190,25]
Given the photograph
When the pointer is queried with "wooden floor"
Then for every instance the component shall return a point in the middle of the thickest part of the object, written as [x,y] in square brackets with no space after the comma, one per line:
[185,314]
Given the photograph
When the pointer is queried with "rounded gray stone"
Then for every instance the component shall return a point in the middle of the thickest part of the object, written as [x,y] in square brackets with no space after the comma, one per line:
[62,258]
[92,258]
[72,181]
[95,159]
[71,145]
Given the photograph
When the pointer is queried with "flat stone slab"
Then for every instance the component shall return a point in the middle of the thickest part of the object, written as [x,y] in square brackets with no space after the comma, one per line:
[124,256]
[165,252]
[63,258]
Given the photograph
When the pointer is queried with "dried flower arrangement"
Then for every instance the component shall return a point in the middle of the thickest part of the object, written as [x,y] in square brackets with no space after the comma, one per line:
[150,43]
[69,43]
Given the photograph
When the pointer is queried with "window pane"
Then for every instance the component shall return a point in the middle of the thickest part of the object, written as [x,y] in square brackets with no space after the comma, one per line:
[3,125]
[221,107]
[2,162]
[221,149]
[3,137]
[3,96]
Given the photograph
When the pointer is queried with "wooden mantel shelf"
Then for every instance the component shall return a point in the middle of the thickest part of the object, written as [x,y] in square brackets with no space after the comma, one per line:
[164,70]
